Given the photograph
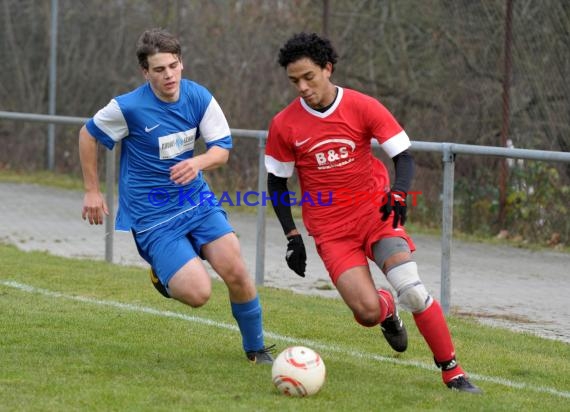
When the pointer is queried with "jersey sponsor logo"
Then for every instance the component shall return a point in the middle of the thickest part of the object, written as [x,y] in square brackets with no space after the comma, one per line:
[175,144]
[150,129]
[336,156]
[302,142]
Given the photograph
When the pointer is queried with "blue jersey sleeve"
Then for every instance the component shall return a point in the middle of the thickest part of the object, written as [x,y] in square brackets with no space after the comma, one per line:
[99,135]
[225,143]
[108,125]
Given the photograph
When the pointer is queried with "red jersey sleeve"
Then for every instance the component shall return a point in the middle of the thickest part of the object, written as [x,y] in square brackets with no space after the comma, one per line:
[279,154]
[386,129]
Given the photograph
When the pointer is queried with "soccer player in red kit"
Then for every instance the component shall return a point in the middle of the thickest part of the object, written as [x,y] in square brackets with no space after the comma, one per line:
[348,204]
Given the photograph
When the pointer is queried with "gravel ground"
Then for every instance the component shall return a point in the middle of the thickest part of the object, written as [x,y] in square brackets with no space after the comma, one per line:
[500,285]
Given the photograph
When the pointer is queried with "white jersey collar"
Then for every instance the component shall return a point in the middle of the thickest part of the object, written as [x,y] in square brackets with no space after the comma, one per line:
[330,109]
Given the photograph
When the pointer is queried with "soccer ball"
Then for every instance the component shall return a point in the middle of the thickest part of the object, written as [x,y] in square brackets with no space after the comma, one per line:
[298,371]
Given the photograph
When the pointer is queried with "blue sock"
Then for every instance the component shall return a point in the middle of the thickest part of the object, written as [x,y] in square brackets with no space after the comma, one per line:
[248,317]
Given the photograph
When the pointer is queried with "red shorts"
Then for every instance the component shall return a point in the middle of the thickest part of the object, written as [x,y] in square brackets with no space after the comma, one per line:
[351,244]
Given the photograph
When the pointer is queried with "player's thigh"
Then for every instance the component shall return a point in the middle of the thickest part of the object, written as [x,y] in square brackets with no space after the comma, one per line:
[166,252]
[357,289]
[224,254]
[214,225]
[191,284]
[340,255]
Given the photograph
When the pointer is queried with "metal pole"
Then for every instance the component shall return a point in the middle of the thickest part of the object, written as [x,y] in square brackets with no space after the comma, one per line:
[260,244]
[110,199]
[503,170]
[447,226]
[52,85]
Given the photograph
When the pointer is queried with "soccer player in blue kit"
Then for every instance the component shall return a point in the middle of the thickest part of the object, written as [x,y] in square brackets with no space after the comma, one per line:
[163,198]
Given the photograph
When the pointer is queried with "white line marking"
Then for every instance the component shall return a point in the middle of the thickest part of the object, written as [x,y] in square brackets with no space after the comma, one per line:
[306,342]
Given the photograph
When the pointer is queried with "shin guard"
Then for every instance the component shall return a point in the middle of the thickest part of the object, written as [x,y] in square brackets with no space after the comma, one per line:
[433,327]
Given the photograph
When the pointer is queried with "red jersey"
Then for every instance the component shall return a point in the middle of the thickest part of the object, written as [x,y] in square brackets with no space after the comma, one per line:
[340,178]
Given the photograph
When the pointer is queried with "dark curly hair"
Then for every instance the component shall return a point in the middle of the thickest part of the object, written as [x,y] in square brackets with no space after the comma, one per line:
[300,45]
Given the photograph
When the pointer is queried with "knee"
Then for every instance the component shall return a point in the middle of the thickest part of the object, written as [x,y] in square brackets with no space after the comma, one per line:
[237,277]
[193,298]
[191,293]
[367,314]
[412,293]
[416,299]
[367,319]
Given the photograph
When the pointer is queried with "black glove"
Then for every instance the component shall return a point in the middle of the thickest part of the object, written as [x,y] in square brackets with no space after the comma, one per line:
[396,201]
[296,255]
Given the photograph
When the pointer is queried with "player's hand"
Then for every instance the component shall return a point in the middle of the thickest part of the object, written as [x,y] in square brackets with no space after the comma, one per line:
[184,172]
[94,207]
[395,201]
[296,255]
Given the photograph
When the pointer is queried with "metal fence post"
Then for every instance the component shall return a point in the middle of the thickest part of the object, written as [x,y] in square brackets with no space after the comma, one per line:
[110,199]
[260,244]
[447,225]
[50,161]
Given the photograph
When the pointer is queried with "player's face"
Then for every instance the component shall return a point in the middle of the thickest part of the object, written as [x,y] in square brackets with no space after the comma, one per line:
[164,74]
[312,82]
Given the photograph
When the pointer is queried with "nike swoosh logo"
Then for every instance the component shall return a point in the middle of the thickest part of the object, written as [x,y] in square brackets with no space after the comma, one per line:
[302,142]
[150,129]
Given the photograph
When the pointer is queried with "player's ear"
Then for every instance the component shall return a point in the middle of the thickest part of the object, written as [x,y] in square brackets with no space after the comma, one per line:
[144,73]
[329,68]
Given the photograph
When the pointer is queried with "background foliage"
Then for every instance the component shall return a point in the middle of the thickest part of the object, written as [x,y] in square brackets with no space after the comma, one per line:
[438,65]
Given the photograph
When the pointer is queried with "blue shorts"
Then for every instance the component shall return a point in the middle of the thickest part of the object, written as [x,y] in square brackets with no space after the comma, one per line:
[171,245]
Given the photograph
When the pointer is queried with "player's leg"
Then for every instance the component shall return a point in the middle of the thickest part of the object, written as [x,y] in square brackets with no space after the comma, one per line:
[393,256]
[191,284]
[358,291]
[224,254]
[176,270]
[348,268]
[371,306]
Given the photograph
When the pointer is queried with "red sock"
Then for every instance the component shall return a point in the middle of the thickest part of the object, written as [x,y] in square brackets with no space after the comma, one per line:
[433,327]
[386,302]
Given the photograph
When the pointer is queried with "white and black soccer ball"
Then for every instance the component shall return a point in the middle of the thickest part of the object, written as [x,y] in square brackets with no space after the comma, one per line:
[298,371]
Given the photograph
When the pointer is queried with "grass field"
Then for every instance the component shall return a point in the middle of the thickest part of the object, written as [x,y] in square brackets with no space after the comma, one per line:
[85,335]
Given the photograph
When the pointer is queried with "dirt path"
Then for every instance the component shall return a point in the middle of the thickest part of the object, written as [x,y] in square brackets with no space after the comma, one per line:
[501,285]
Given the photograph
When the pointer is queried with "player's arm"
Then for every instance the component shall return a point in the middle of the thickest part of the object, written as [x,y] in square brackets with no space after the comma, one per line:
[296,255]
[396,143]
[279,193]
[94,205]
[404,166]
[216,133]
[186,170]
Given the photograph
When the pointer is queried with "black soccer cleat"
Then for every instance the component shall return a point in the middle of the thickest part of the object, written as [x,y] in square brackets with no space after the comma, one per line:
[262,356]
[158,284]
[394,331]
[462,384]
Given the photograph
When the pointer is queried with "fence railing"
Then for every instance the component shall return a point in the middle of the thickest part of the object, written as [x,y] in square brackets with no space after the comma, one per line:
[448,151]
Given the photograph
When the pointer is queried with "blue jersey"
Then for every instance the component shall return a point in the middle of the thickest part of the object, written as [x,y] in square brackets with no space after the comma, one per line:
[156,135]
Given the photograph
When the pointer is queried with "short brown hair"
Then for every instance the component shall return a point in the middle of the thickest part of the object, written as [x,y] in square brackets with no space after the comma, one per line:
[154,41]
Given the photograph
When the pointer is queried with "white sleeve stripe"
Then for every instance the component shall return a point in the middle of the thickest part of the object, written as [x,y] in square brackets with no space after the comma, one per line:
[214,125]
[280,169]
[111,121]
[396,144]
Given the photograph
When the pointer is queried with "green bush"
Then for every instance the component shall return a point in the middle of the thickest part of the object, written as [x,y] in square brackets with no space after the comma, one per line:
[537,203]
